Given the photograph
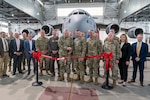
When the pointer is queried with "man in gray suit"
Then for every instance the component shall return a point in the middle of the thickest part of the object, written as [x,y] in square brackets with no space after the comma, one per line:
[4,54]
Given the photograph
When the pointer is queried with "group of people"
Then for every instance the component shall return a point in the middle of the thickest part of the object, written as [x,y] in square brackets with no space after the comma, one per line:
[75,50]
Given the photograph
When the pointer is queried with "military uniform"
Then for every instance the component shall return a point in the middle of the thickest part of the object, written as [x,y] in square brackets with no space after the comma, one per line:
[79,50]
[113,47]
[94,47]
[42,44]
[63,43]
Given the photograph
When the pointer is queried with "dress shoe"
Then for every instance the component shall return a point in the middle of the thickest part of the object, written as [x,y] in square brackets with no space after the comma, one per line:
[131,81]
[14,74]
[21,72]
[5,75]
[141,84]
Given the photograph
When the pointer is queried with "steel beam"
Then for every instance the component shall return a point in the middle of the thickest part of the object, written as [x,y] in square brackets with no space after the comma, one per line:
[132,7]
[28,7]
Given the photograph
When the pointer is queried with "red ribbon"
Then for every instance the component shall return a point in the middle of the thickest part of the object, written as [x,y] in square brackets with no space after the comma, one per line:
[108,58]
[37,55]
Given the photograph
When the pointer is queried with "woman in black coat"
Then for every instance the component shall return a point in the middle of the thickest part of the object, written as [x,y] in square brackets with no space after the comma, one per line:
[125,58]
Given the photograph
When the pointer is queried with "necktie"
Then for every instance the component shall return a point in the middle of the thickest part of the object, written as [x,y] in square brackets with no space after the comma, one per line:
[138,49]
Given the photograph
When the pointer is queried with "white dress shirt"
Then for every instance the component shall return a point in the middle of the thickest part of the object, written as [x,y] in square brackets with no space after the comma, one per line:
[30,43]
[121,45]
[18,44]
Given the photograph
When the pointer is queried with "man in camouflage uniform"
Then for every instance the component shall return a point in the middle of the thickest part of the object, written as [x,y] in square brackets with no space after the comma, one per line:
[94,48]
[79,50]
[42,45]
[112,45]
[65,44]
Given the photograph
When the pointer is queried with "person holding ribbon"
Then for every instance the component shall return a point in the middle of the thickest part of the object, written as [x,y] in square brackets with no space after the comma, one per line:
[42,46]
[65,44]
[112,45]
[94,48]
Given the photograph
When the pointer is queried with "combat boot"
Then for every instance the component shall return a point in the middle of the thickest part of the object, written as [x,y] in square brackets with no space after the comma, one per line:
[114,83]
[96,81]
[61,78]
[90,80]
[47,72]
[78,78]
[82,79]
[68,77]
[41,73]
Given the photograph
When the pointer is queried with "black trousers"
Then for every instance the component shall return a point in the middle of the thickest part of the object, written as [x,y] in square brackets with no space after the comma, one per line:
[28,63]
[123,70]
[52,62]
[17,63]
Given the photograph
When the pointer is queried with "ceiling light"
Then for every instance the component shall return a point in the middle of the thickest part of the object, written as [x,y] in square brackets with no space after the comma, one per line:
[37,13]
[40,2]
[28,21]
[125,11]
[12,14]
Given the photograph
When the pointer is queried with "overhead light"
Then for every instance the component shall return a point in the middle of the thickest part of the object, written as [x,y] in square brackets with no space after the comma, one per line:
[40,2]
[135,19]
[12,14]
[125,11]
[113,19]
[28,21]
[37,13]
[9,21]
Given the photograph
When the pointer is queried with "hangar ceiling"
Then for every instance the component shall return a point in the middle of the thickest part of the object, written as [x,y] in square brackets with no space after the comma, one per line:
[10,13]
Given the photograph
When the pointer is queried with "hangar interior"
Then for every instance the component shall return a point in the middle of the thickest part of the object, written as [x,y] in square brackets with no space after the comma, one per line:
[16,15]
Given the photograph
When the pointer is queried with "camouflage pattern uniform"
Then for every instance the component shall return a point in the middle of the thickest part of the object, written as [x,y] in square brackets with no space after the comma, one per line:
[63,43]
[42,44]
[113,47]
[115,38]
[79,50]
[94,47]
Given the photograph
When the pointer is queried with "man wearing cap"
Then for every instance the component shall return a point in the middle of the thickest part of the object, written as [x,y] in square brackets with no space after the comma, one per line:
[139,52]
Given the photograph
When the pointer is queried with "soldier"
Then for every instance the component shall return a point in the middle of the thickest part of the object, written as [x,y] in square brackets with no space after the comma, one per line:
[65,44]
[10,56]
[79,50]
[24,35]
[42,45]
[112,45]
[94,48]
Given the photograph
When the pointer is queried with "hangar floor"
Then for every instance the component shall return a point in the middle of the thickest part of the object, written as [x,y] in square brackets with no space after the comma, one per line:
[20,87]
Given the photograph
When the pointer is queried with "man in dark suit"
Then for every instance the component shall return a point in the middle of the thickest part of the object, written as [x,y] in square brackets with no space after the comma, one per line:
[16,49]
[4,54]
[53,51]
[29,46]
[139,52]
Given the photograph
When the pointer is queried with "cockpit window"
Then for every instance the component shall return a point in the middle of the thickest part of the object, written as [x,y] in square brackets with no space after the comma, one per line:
[75,13]
[69,14]
[81,12]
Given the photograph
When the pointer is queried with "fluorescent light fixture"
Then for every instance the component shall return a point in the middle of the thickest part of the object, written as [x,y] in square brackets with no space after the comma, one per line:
[40,2]
[3,23]
[93,11]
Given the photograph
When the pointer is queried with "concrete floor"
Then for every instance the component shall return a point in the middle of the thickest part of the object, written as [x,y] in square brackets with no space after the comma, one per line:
[20,87]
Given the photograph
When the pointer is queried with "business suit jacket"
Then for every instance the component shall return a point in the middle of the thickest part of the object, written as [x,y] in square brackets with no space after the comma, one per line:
[2,48]
[27,47]
[13,46]
[143,51]
[126,52]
